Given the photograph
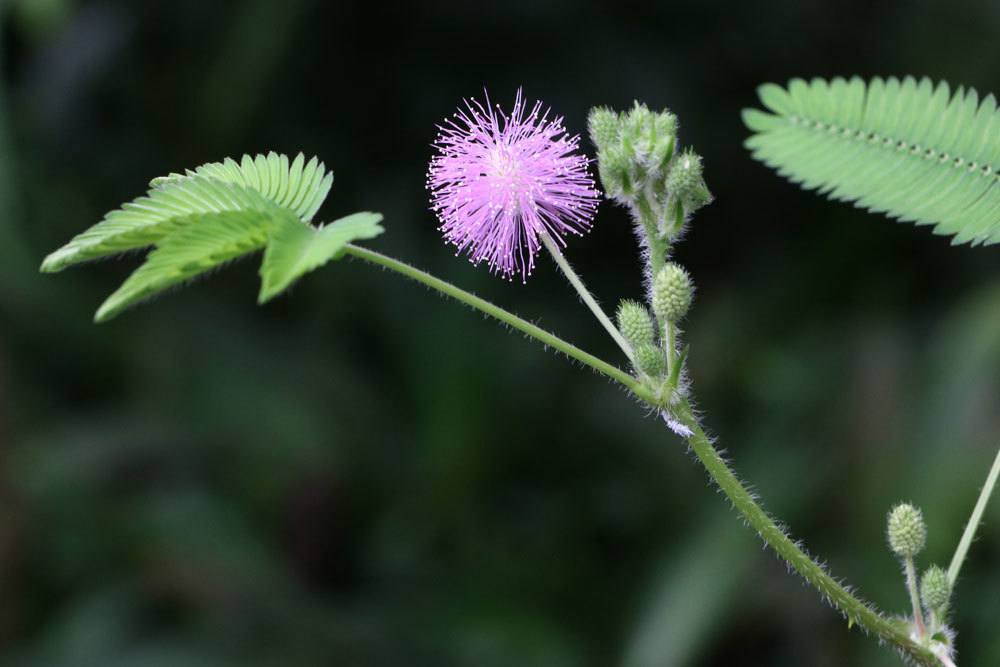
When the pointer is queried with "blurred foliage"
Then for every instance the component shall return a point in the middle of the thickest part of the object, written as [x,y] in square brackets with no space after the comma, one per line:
[394,480]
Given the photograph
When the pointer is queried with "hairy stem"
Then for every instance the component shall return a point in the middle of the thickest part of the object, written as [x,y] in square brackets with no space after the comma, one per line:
[945,659]
[911,587]
[658,246]
[504,316]
[857,611]
[670,347]
[586,296]
[974,520]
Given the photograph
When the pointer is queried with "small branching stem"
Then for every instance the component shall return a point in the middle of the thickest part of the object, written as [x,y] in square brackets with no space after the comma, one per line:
[586,296]
[970,528]
[911,586]
[670,347]
[659,246]
[944,658]
[857,611]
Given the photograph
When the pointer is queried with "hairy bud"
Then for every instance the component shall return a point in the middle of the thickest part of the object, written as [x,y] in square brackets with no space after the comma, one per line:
[686,183]
[672,293]
[906,530]
[935,589]
[650,360]
[635,323]
[649,137]
[613,167]
[634,151]
[604,126]
[636,124]
[665,133]
[665,124]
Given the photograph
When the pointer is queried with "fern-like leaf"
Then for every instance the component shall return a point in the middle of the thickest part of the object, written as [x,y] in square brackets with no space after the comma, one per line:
[296,249]
[216,213]
[261,183]
[147,220]
[912,150]
[299,186]
[205,243]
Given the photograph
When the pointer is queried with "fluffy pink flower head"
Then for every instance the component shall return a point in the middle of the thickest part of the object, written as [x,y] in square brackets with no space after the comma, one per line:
[498,181]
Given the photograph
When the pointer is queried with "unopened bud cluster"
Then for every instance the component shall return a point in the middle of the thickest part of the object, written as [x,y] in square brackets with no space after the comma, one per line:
[907,535]
[641,167]
[639,163]
[671,296]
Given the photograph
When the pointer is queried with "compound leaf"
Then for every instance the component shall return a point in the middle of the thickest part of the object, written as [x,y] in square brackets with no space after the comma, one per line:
[214,214]
[909,149]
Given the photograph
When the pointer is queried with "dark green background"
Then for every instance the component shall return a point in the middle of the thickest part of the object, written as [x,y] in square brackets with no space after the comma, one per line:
[362,473]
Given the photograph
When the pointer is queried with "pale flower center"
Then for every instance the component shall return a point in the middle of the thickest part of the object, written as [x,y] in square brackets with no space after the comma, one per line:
[506,176]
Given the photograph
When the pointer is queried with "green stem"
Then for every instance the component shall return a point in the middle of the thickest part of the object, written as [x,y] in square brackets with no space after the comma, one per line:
[911,587]
[670,347]
[658,246]
[974,520]
[586,296]
[504,316]
[942,655]
[857,611]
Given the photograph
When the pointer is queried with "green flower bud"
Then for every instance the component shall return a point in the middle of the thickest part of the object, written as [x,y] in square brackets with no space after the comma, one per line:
[635,323]
[672,293]
[685,181]
[649,138]
[605,126]
[637,123]
[935,589]
[635,149]
[613,167]
[907,531]
[650,360]
[665,124]
[665,130]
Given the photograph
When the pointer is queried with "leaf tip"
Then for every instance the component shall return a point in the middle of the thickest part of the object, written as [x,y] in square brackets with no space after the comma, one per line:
[757,120]
[267,292]
[50,264]
[106,312]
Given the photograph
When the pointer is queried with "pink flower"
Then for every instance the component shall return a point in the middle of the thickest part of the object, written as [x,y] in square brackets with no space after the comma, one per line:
[498,181]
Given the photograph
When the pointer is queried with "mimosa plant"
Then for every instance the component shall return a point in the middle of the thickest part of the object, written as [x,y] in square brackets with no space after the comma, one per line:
[505,185]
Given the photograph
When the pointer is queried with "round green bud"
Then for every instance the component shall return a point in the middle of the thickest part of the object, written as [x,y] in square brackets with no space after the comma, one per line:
[907,531]
[935,589]
[635,323]
[604,126]
[685,181]
[672,293]
[650,360]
